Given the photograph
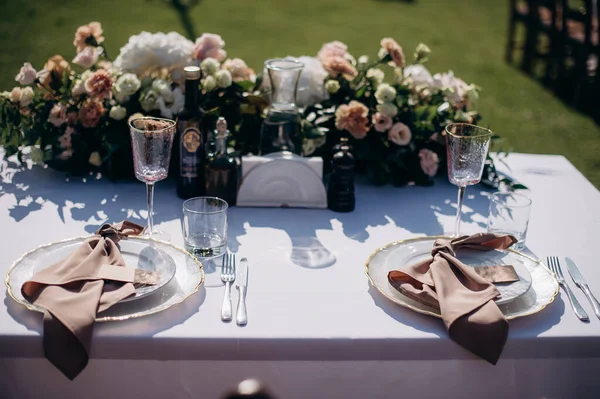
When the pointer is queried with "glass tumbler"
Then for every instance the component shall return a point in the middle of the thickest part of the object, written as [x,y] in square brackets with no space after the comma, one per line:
[205,226]
[509,214]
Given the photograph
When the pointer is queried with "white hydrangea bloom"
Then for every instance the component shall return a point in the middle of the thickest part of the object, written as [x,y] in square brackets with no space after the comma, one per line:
[420,76]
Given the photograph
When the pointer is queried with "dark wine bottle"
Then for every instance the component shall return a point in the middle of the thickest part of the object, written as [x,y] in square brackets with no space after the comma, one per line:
[222,169]
[190,150]
[340,191]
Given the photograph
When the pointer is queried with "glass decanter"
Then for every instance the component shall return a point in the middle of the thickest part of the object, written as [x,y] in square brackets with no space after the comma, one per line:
[281,129]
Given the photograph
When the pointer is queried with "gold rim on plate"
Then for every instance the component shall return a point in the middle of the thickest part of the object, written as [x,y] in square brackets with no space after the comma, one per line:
[29,306]
[437,315]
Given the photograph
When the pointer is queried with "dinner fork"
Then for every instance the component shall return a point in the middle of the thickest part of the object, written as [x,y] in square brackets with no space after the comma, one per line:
[554,264]
[228,277]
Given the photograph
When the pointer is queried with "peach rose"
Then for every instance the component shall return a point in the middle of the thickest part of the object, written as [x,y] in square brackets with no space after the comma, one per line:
[90,113]
[54,69]
[86,35]
[239,70]
[331,50]
[209,45]
[381,122]
[58,114]
[429,162]
[354,118]
[99,85]
[399,134]
[15,95]
[394,50]
[339,65]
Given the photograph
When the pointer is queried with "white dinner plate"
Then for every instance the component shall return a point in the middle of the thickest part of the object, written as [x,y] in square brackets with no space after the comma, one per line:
[180,274]
[535,289]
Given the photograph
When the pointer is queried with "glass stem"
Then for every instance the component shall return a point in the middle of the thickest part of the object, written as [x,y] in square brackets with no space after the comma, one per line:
[461,195]
[150,195]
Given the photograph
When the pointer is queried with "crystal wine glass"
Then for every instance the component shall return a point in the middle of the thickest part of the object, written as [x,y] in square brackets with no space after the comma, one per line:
[467,147]
[151,141]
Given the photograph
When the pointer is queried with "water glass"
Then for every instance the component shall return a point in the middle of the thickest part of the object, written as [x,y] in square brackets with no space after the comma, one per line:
[509,214]
[205,226]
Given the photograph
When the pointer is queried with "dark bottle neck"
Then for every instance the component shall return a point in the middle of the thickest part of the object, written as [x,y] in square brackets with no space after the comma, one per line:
[191,95]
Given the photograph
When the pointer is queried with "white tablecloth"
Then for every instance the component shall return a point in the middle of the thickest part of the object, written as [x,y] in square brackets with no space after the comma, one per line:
[316,328]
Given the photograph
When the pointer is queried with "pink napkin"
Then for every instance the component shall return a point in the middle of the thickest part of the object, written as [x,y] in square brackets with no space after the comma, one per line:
[74,290]
[465,299]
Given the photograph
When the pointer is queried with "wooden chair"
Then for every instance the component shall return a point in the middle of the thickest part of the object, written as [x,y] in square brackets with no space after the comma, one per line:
[519,13]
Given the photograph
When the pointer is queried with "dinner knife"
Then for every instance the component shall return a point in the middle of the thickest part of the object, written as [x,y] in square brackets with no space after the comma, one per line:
[580,282]
[241,281]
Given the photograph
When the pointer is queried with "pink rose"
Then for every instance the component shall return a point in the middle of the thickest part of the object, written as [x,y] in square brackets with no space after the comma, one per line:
[394,50]
[90,34]
[99,85]
[87,57]
[339,65]
[429,162]
[354,118]
[26,75]
[399,134]
[332,49]
[58,114]
[239,70]
[209,45]
[90,113]
[382,122]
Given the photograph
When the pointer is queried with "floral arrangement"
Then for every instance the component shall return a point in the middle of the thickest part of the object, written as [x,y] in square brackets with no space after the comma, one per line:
[74,114]
[393,114]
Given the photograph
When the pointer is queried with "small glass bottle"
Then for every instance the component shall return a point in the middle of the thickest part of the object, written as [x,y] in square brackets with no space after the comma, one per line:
[222,169]
[340,192]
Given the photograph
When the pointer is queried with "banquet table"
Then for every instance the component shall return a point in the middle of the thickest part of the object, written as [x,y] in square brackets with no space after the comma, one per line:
[316,328]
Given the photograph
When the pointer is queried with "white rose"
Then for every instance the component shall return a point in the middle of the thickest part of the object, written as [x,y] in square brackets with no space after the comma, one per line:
[87,57]
[223,78]
[385,93]
[148,100]
[117,112]
[209,83]
[376,75]
[363,60]
[163,88]
[95,159]
[419,75]
[15,95]
[210,66]
[332,86]
[26,75]
[127,84]
[79,86]
[26,96]
[388,109]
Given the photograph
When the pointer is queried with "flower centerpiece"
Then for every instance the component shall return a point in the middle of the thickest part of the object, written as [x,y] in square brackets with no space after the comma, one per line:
[73,114]
[393,113]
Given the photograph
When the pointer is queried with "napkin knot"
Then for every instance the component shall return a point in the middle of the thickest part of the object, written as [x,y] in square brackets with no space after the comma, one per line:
[117,231]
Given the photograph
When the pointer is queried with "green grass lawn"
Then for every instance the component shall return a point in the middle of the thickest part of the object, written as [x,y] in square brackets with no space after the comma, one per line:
[467,36]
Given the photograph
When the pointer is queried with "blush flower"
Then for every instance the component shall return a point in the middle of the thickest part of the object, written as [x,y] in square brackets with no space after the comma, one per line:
[399,134]
[58,115]
[394,50]
[381,121]
[239,70]
[54,70]
[339,65]
[26,75]
[332,50]
[87,57]
[90,113]
[99,85]
[90,34]
[429,162]
[353,117]
[209,45]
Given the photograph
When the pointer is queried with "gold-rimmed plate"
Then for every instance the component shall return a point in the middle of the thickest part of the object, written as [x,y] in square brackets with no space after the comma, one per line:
[541,291]
[186,278]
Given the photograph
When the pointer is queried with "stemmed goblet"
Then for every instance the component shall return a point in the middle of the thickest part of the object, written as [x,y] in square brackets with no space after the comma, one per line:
[151,141]
[467,147]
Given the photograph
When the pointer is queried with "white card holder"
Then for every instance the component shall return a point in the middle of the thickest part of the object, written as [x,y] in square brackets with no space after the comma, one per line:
[282,180]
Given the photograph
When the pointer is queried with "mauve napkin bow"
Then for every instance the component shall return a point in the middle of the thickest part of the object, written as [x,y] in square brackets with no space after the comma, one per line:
[465,299]
[73,292]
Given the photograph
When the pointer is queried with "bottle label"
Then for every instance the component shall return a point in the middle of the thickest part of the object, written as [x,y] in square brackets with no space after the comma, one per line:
[191,142]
